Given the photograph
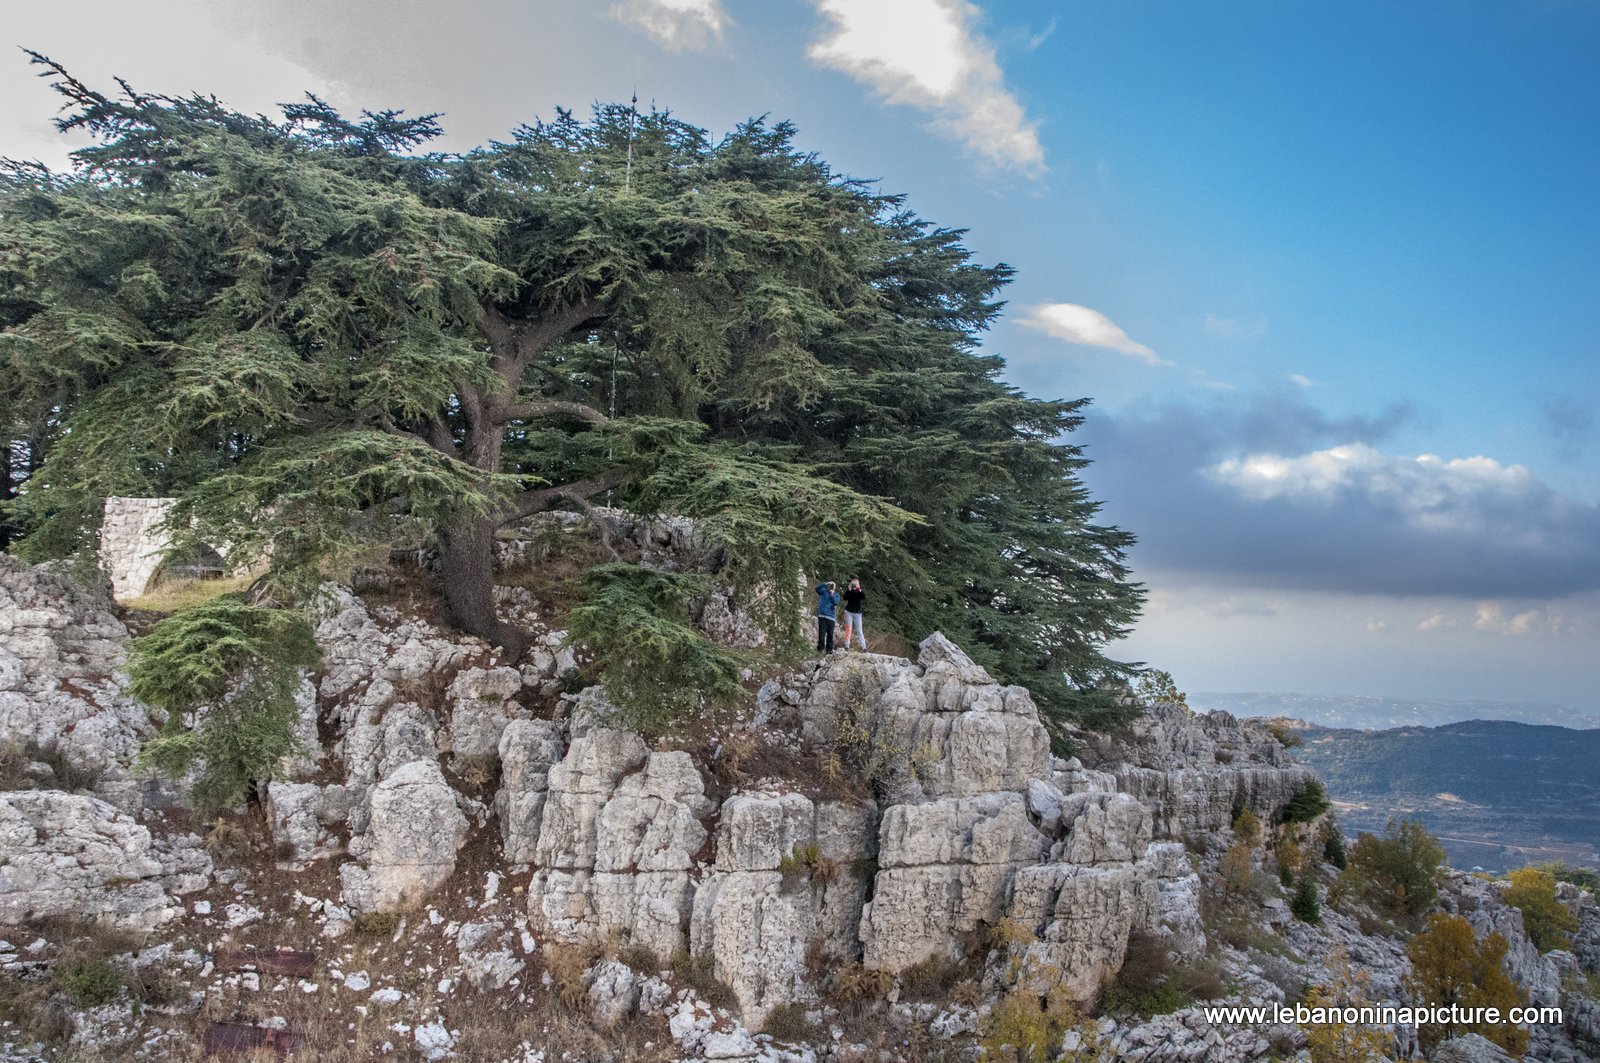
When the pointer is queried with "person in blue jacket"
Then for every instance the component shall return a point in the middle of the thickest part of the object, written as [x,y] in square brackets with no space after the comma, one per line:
[827,611]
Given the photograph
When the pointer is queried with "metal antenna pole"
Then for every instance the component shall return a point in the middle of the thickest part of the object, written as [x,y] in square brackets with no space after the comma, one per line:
[633,112]
[627,186]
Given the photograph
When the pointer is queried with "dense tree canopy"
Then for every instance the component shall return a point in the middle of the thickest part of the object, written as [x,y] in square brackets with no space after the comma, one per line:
[314,333]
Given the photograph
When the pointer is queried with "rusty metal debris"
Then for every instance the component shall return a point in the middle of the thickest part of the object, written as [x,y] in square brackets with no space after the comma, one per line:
[248,1037]
[296,962]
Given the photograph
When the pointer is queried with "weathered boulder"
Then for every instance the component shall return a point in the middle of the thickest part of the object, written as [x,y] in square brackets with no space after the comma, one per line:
[481,706]
[613,992]
[1102,829]
[302,816]
[652,821]
[957,731]
[579,787]
[413,833]
[1081,917]
[73,855]
[488,959]
[1176,917]
[528,750]
[1470,1048]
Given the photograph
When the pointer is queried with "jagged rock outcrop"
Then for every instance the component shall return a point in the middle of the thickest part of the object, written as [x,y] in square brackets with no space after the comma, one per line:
[617,839]
[74,855]
[958,731]
[414,831]
[1479,903]
[787,891]
[1470,1048]
[528,750]
[945,868]
[303,818]
[896,818]
[1195,772]
[482,702]
[62,650]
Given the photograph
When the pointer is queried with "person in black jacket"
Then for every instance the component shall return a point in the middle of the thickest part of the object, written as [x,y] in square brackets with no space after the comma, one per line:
[853,597]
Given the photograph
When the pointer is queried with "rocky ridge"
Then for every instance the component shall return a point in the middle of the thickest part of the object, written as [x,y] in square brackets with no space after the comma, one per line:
[891,818]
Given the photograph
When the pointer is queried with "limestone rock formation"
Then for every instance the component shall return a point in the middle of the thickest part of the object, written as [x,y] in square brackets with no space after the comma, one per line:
[789,877]
[62,650]
[303,817]
[73,855]
[945,868]
[413,833]
[1195,772]
[874,815]
[616,841]
[528,750]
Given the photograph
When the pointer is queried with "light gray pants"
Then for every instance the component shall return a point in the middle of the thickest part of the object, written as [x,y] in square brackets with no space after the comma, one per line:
[854,630]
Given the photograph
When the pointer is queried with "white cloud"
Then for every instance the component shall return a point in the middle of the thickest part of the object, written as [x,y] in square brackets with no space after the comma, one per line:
[1436,621]
[928,54]
[1493,617]
[1303,381]
[1428,492]
[1033,42]
[676,24]
[1231,327]
[124,40]
[1239,605]
[1080,324]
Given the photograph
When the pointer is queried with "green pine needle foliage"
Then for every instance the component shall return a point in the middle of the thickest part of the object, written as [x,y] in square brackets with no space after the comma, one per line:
[657,669]
[1305,904]
[318,335]
[225,674]
[1307,803]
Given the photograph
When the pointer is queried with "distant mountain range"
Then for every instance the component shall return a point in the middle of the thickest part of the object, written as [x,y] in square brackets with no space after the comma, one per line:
[1331,710]
[1499,794]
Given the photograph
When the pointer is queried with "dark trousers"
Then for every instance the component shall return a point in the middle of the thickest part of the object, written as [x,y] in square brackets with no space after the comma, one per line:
[824,634]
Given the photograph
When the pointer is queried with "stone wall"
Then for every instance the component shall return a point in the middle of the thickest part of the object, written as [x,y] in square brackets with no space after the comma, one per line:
[133,543]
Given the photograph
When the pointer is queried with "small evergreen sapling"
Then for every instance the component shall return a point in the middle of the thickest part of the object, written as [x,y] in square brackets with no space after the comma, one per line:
[225,675]
[1307,803]
[1305,904]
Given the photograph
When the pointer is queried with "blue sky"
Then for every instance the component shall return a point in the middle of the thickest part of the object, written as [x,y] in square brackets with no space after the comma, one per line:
[1328,271]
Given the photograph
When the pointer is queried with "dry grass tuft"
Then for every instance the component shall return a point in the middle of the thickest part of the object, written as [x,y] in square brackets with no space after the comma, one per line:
[178,594]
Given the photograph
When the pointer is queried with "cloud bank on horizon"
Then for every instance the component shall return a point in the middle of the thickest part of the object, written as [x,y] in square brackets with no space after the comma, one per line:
[1267,502]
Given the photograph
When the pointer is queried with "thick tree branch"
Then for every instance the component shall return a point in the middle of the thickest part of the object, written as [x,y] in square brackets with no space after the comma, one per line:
[517,342]
[596,518]
[530,502]
[528,411]
[438,436]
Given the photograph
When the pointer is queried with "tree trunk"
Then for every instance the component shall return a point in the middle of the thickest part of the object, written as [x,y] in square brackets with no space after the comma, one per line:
[466,568]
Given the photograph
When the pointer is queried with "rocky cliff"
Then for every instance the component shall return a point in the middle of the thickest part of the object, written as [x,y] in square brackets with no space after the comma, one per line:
[867,862]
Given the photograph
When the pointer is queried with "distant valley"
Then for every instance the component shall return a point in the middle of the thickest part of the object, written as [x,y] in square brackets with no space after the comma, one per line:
[1499,794]
[1375,713]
